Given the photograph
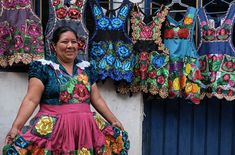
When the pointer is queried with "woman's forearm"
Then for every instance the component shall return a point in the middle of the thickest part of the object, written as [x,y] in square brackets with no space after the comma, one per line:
[104,110]
[26,109]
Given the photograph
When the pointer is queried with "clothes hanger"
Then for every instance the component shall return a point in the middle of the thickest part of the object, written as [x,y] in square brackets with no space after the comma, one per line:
[173,2]
[216,4]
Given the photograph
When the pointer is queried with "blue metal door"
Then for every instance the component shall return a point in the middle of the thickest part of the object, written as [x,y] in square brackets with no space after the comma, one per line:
[175,127]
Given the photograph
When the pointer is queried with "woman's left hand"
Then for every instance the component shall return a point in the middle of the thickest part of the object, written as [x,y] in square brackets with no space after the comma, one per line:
[118,124]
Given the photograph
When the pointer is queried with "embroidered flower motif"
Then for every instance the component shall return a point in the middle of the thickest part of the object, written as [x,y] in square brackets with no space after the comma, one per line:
[209,34]
[34,30]
[19,42]
[97,50]
[15,4]
[188,87]
[152,74]
[226,77]
[176,84]
[100,122]
[169,33]
[23,3]
[74,13]
[183,80]
[230,93]
[84,151]
[117,145]
[56,2]
[161,80]
[79,3]
[123,51]
[116,23]
[188,68]
[83,64]
[103,23]
[61,13]
[223,34]
[83,78]
[158,61]
[183,33]
[203,23]
[188,21]
[110,59]
[45,125]
[195,88]
[4,31]
[144,56]
[146,32]
[81,92]
[81,44]
[65,97]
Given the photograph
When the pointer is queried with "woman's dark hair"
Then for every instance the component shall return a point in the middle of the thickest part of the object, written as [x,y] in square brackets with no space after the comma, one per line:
[60,30]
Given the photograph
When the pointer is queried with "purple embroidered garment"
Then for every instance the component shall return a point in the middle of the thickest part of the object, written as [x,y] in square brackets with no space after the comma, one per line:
[21,38]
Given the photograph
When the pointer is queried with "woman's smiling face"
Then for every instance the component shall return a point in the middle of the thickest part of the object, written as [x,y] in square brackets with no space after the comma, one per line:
[67,47]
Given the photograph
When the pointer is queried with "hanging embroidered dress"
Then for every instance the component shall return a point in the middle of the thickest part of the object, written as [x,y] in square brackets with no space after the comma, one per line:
[217,54]
[67,13]
[21,36]
[110,48]
[65,124]
[151,68]
[184,77]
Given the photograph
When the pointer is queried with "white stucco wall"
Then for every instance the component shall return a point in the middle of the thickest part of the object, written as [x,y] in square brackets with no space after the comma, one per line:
[129,110]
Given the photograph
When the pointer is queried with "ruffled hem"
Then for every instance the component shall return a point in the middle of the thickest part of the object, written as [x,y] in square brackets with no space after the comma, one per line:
[25,58]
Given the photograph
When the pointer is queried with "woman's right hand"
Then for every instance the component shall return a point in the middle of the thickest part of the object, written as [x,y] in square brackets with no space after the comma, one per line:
[11,135]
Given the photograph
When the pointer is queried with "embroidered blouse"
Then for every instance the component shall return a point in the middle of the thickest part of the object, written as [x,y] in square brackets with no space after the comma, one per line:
[184,78]
[151,68]
[110,48]
[217,54]
[21,36]
[60,87]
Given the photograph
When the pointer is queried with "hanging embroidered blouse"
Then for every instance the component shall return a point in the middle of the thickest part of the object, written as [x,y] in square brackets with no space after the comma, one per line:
[110,48]
[67,13]
[184,78]
[217,54]
[21,37]
[151,69]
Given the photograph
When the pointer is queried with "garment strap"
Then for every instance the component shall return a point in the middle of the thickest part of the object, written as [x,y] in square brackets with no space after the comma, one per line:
[231,12]
[201,15]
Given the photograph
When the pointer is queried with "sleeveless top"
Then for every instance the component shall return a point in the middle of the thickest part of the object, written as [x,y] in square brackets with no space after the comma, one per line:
[217,54]
[110,48]
[151,68]
[21,36]
[67,13]
[184,78]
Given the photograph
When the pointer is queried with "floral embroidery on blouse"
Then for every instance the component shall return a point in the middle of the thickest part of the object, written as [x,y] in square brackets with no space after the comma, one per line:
[219,34]
[143,31]
[24,43]
[12,4]
[74,12]
[113,23]
[181,31]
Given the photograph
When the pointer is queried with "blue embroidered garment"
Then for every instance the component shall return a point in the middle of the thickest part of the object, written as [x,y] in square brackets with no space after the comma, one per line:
[110,48]
[53,75]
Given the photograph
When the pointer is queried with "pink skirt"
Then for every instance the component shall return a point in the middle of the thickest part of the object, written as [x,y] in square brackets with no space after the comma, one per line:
[68,129]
